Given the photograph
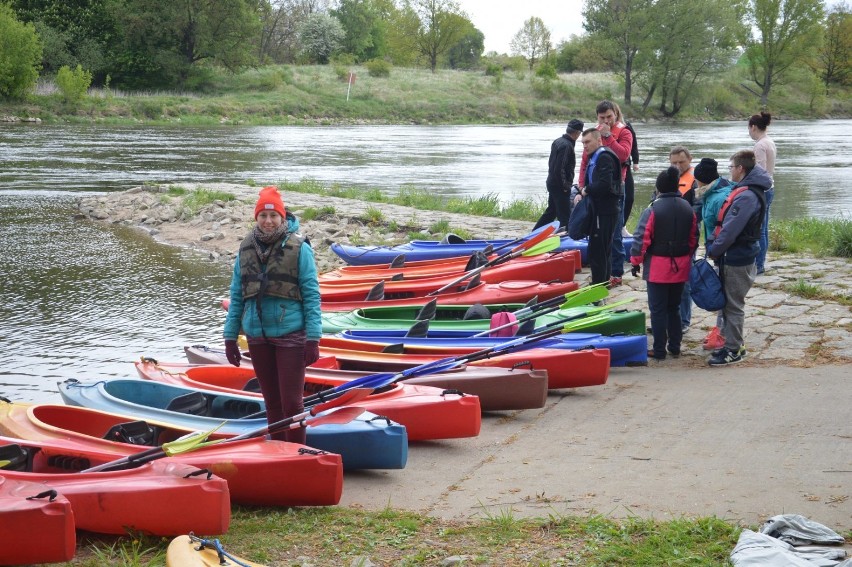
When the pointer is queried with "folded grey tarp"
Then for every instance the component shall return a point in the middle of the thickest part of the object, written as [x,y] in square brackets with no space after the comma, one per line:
[789,541]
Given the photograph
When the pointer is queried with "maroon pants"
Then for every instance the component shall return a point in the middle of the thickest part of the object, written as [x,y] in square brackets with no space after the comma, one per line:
[280,367]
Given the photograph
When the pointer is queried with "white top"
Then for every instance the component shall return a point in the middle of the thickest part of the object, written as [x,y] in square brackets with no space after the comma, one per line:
[764,152]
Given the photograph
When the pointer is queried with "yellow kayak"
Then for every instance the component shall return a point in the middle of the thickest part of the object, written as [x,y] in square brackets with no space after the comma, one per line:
[192,551]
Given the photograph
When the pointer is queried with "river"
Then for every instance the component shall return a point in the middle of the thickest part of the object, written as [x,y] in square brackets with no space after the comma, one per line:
[79,299]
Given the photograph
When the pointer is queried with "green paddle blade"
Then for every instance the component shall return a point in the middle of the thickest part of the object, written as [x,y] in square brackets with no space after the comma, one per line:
[543,247]
[585,322]
[190,442]
[4,464]
[585,295]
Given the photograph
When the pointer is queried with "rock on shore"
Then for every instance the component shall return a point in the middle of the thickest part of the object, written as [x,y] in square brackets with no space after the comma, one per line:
[217,228]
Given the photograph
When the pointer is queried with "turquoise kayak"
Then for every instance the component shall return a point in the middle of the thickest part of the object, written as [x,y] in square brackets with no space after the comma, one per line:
[364,443]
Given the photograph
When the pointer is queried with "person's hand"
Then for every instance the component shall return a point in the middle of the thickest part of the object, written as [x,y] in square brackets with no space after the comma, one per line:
[635,269]
[311,352]
[578,198]
[635,167]
[604,130]
[232,352]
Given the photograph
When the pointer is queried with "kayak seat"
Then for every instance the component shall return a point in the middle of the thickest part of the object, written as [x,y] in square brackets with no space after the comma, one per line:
[477,311]
[20,459]
[192,403]
[451,238]
[233,409]
[68,463]
[133,432]
[252,385]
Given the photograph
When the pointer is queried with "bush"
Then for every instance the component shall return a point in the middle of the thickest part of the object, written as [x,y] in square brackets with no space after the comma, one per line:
[378,68]
[20,55]
[73,84]
[542,87]
[842,245]
[546,71]
[493,69]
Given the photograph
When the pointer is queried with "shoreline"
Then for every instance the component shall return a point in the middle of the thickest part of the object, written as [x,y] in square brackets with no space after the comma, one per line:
[781,328]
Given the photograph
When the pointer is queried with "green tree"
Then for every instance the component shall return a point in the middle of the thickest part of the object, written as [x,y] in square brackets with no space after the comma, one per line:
[167,40]
[73,32]
[693,40]
[365,23]
[20,55]
[466,53]
[321,35]
[532,41]
[432,27]
[620,28]
[73,84]
[784,34]
[280,23]
[834,56]
[579,53]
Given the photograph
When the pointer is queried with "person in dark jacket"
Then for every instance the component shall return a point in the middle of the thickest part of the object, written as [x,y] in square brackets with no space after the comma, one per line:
[275,300]
[735,247]
[560,176]
[602,184]
[663,244]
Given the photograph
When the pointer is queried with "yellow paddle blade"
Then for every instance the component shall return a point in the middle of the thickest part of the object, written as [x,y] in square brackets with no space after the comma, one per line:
[4,464]
[242,342]
[187,443]
[585,322]
[585,295]
[543,247]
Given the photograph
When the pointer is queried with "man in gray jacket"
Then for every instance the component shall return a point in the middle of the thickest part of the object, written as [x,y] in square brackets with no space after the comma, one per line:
[735,247]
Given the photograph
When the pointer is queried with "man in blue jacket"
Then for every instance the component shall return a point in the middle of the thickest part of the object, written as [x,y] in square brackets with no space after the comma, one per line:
[735,246]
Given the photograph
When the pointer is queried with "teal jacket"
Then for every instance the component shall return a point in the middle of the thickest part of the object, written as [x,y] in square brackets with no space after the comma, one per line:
[280,316]
[712,200]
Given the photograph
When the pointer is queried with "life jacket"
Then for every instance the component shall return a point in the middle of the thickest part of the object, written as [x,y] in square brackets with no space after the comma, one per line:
[671,236]
[686,182]
[751,232]
[281,278]
[617,188]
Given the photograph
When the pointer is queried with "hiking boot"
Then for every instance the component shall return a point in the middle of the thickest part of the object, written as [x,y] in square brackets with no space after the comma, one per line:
[714,339]
[674,353]
[725,356]
[614,281]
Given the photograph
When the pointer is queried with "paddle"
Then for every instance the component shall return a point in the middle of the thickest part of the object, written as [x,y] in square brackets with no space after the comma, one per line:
[552,226]
[574,298]
[196,440]
[539,244]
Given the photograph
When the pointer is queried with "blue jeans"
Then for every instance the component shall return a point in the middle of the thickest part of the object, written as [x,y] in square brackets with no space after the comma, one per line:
[760,261]
[686,305]
[617,270]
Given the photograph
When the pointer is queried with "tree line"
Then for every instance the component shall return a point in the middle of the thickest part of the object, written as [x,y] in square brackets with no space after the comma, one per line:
[663,49]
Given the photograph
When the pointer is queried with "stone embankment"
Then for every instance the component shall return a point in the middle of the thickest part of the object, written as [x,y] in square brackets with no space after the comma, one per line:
[781,327]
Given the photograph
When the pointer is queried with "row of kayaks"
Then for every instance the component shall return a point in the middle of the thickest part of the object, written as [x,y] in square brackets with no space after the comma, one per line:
[431,368]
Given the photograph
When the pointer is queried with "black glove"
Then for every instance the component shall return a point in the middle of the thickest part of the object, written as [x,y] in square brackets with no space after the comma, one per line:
[311,352]
[232,352]
[635,269]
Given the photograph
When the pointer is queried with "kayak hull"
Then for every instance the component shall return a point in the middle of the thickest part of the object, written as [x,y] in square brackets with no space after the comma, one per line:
[362,443]
[34,530]
[157,498]
[629,350]
[252,467]
[497,389]
[427,413]
[451,318]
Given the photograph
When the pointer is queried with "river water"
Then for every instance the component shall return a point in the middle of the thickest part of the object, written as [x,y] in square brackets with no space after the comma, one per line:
[79,299]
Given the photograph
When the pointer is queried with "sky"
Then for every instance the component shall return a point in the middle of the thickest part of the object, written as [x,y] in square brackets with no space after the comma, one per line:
[499,20]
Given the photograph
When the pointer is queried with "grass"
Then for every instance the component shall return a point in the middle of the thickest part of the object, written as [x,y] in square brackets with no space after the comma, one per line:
[313,95]
[820,237]
[340,536]
[193,201]
[803,288]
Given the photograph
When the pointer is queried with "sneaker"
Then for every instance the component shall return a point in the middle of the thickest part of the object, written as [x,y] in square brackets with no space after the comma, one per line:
[684,329]
[674,353]
[714,339]
[725,356]
[614,281]
[652,354]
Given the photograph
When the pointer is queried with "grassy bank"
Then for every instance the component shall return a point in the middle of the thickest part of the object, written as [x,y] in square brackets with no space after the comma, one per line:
[339,536]
[317,95]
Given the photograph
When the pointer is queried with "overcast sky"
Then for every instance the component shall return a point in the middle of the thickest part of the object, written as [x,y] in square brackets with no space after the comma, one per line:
[499,20]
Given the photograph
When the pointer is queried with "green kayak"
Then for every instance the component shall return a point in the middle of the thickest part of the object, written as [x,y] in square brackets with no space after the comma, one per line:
[451,318]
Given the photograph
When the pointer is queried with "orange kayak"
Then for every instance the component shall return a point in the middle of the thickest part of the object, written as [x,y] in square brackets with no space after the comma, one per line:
[252,467]
[161,497]
[34,527]
[427,413]
[565,368]
[544,267]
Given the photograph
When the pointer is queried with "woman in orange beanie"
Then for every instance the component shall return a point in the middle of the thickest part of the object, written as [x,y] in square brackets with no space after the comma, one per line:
[275,299]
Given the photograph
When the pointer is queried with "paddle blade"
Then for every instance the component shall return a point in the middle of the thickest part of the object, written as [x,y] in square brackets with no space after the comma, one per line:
[585,295]
[349,396]
[585,322]
[188,442]
[340,416]
[548,245]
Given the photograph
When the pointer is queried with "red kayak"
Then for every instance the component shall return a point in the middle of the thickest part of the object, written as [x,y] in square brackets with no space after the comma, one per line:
[427,413]
[497,388]
[565,368]
[159,498]
[543,267]
[35,526]
[253,467]
[404,294]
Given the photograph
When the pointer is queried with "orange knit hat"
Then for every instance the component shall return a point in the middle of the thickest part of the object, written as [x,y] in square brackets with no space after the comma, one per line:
[270,200]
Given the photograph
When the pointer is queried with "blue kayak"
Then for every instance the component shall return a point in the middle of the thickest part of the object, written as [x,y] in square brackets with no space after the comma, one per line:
[437,250]
[364,443]
[624,350]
